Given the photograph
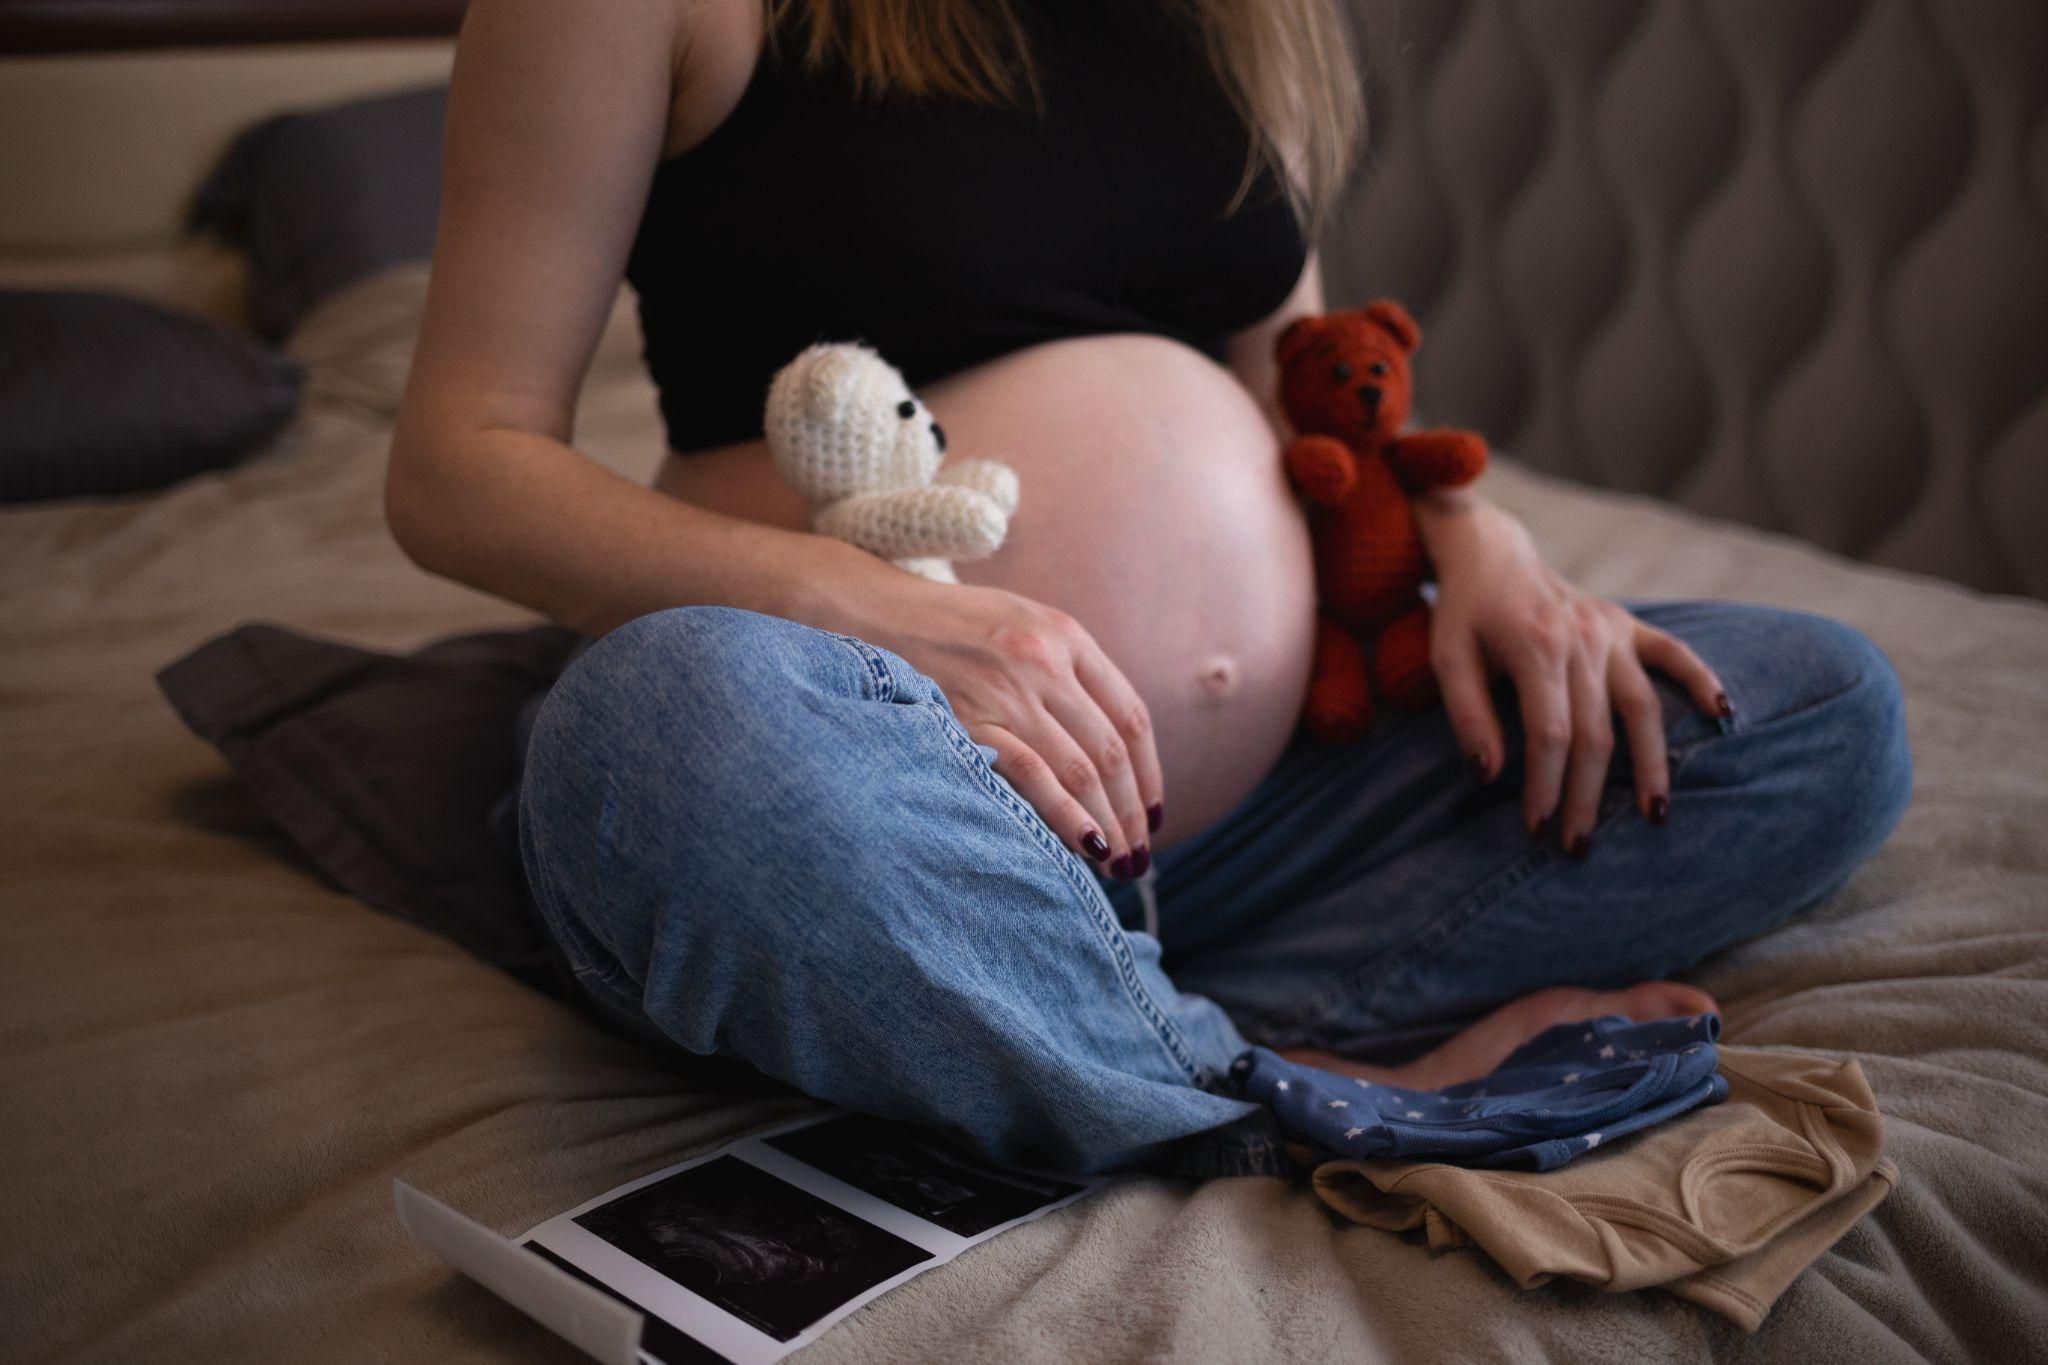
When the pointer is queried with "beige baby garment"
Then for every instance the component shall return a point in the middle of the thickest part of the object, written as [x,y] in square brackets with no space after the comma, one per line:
[1724,1206]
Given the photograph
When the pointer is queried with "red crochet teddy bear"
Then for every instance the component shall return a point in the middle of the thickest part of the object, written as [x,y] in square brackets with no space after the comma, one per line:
[1345,383]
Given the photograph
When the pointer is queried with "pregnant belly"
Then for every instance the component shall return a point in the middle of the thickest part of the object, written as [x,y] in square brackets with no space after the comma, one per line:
[1155,511]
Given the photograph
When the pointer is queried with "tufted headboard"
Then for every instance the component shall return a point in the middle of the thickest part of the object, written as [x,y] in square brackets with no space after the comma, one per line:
[1783,261]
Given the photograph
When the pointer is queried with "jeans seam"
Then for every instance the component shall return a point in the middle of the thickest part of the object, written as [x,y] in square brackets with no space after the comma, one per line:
[1090,897]
[1080,882]
[881,680]
[553,912]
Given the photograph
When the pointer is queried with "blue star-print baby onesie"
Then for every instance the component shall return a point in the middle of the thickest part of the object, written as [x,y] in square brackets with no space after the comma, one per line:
[1559,1095]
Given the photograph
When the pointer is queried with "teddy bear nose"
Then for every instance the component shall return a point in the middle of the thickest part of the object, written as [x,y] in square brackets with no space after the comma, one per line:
[1370,394]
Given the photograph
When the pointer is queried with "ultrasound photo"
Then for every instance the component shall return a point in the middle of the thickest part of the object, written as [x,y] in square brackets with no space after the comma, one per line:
[772,1255]
[920,1172]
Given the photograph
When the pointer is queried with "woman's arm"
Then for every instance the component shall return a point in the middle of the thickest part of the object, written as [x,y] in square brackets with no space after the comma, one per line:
[1577,661]
[557,116]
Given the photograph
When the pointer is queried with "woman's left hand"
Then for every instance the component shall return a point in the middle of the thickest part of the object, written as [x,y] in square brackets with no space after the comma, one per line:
[1577,662]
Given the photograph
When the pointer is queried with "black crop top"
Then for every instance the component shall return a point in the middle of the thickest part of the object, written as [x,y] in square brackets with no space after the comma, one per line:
[946,234]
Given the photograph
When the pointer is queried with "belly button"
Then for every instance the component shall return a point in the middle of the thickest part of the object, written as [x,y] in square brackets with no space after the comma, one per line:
[1217,677]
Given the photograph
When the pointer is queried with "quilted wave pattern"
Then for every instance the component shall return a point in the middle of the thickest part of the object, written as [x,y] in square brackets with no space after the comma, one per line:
[1782,263]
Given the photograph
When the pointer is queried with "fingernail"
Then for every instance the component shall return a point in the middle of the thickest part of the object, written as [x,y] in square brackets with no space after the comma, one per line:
[1094,845]
[1141,858]
[1480,776]
[1544,826]
[1660,808]
[1155,815]
[1722,705]
[1121,868]
[1582,847]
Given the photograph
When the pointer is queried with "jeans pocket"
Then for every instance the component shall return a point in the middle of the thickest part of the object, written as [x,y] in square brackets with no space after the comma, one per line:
[910,686]
[890,676]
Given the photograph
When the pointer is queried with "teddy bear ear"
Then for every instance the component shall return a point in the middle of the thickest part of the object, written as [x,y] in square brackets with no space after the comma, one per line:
[1396,319]
[1297,336]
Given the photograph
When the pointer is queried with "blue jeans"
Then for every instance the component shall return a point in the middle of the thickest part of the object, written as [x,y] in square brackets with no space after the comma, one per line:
[757,839]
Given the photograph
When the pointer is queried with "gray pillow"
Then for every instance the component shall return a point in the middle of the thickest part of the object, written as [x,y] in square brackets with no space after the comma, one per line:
[322,199]
[100,394]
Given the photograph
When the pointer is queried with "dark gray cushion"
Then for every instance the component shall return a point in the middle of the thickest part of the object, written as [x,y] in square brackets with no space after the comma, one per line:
[111,395]
[322,199]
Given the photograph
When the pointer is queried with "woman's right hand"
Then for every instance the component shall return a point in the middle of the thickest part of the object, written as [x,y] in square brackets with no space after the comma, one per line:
[1070,732]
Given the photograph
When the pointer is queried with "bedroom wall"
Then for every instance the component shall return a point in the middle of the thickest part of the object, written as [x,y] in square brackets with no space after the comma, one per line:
[1782,263]
[103,151]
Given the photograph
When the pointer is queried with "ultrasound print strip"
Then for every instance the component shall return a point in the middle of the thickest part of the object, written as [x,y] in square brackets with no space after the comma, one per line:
[776,1257]
[663,1341]
[921,1172]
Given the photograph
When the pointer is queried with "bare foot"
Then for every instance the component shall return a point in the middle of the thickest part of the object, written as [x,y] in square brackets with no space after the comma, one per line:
[1485,1045]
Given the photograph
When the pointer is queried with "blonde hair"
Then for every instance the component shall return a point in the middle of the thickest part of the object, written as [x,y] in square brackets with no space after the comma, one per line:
[1286,66]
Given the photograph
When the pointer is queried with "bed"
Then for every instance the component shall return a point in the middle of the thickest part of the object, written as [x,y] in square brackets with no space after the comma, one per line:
[214,1063]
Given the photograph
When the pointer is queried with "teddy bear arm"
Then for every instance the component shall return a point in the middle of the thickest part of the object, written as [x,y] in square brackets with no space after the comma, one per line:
[937,521]
[998,482]
[1442,458]
[1322,467]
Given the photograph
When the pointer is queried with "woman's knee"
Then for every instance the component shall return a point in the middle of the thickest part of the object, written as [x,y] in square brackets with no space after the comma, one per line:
[1849,702]
[1821,740]
[703,668]
[707,691]
[670,760]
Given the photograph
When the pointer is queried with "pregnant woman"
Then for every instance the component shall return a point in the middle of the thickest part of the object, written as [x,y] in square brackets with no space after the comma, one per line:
[1032,858]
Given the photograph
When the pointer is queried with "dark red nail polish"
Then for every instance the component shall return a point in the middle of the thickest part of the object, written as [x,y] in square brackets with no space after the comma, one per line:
[1480,775]
[1141,859]
[1660,808]
[1121,868]
[1155,815]
[1722,704]
[1545,825]
[1582,847]
[1094,845]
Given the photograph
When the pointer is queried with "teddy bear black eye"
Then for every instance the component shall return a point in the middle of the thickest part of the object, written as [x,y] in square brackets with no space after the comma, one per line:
[1379,367]
[906,409]
[1341,370]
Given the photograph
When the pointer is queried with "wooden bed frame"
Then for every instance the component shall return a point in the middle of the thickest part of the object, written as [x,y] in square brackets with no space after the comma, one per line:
[49,26]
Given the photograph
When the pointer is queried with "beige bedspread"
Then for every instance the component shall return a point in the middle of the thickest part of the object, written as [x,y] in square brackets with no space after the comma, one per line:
[211,1065]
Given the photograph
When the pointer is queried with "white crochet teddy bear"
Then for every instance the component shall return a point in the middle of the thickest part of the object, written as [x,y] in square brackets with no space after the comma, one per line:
[849,435]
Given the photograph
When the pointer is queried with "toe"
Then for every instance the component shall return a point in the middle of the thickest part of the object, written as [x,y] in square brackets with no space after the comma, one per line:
[1664,1000]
